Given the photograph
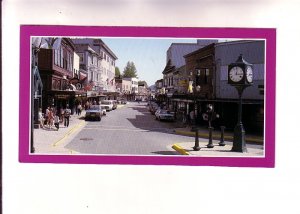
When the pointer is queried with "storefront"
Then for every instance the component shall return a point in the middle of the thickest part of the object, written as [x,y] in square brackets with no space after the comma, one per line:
[60,99]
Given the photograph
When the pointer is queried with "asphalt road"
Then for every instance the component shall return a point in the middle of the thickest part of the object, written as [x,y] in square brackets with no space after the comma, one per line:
[130,130]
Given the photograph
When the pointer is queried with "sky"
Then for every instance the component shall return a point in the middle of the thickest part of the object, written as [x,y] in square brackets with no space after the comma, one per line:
[148,54]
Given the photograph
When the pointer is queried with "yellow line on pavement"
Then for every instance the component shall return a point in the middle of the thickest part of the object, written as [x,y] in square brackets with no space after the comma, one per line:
[72,130]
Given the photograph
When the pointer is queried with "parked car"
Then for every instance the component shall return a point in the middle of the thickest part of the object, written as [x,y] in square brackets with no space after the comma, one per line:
[162,114]
[153,107]
[107,105]
[123,101]
[94,113]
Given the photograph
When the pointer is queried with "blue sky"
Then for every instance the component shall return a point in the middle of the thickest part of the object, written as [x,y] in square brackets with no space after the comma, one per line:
[148,54]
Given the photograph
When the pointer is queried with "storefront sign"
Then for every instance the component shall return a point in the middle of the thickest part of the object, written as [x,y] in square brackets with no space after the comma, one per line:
[62,96]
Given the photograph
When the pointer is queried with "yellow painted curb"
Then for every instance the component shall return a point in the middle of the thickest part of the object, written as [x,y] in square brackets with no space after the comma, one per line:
[180,149]
[73,129]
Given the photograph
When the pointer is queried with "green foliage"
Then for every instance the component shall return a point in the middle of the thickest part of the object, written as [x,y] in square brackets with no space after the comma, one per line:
[117,72]
[130,70]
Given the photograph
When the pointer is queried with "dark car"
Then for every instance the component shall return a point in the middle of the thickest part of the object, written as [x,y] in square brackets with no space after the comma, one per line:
[93,113]
[123,101]
[162,114]
[153,107]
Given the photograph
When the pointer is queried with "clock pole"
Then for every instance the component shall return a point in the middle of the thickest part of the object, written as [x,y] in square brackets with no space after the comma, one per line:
[240,75]
[239,143]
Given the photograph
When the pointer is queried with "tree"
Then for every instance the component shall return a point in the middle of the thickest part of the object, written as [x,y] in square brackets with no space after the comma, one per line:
[130,70]
[117,72]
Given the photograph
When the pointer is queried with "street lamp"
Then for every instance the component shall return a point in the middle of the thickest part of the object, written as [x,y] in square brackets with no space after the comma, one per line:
[196,89]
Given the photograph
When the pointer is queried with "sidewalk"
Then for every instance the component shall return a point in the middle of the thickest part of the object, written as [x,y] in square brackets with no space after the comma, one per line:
[52,141]
[186,148]
[254,144]
[228,136]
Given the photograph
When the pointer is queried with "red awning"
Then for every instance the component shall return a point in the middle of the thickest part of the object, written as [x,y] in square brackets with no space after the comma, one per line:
[83,76]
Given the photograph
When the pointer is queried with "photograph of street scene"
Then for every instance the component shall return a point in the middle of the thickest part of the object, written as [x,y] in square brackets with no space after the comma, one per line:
[147,96]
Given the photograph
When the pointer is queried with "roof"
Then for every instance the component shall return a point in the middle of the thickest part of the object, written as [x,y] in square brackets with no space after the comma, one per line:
[93,43]
[169,67]
[199,50]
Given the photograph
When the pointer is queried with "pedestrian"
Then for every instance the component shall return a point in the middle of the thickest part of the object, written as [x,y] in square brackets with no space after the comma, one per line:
[67,116]
[47,116]
[79,109]
[56,121]
[62,114]
[76,109]
[41,118]
[50,117]
[87,105]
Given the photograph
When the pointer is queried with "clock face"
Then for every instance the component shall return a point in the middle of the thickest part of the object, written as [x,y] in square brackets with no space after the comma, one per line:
[236,74]
[249,74]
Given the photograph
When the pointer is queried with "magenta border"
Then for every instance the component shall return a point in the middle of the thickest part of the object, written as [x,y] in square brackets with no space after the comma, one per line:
[177,32]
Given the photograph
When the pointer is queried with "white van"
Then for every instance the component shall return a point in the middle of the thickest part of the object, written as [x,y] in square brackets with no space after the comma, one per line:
[107,104]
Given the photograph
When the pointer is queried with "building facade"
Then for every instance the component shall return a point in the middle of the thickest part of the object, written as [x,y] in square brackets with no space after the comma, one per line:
[134,87]
[123,87]
[176,76]
[57,70]
[101,59]
[203,80]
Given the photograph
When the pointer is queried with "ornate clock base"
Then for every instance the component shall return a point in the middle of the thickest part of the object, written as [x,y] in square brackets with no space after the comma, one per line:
[239,143]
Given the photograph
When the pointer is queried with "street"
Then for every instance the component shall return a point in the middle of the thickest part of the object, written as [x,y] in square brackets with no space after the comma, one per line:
[129,130]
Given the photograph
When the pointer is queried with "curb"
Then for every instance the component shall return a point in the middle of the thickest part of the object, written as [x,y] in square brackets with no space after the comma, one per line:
[73,129]
[180,149]
[217,137]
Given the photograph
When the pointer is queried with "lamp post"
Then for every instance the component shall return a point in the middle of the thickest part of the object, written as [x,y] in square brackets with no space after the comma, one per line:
[196,89]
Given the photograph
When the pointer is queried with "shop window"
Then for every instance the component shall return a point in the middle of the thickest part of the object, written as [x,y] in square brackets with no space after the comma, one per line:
[80,57]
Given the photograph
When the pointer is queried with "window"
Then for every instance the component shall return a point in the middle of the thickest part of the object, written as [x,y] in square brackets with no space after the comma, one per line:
[90,60]
[80,57]
[92,76]
[55,57]
[206,76]
[61,57]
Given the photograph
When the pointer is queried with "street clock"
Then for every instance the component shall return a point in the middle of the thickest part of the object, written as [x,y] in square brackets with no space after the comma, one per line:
[240,73]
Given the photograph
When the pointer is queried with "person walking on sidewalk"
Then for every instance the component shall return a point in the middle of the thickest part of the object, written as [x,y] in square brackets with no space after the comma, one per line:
[41,118]
[67,115]
[51,117]
[79,109]
[47,116]
[62,115]
[56,121]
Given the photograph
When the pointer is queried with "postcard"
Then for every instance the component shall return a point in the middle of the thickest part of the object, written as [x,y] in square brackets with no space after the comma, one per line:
[147,95]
